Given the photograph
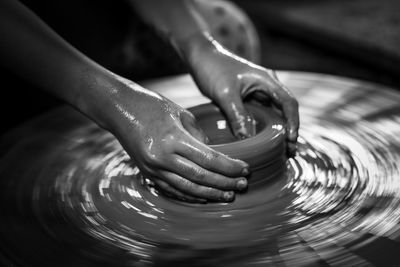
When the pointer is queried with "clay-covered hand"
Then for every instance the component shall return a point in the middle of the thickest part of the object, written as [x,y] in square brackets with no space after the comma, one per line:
[227,79]
[168,147]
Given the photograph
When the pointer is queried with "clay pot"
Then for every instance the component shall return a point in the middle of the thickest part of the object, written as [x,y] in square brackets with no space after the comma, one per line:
[264,152]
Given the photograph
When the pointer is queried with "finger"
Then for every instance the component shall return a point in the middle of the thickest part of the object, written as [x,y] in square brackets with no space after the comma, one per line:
[240,120]
[273,74]
[196,190]
[291,112]
[284,99]
[201,176]
[189,123]
[172,192]
[211,159]
[291,149]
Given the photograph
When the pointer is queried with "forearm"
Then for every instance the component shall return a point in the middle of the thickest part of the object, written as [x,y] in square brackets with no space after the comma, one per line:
[176,20]
[33,51]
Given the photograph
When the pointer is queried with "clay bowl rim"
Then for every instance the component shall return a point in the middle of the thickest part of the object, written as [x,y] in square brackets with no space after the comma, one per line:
[267,139]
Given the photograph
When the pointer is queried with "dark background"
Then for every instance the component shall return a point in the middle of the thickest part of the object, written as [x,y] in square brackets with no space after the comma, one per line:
[353,38]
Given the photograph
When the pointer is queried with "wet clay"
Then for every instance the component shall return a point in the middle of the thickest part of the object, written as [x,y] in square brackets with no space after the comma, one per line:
[264,152]
[70,195]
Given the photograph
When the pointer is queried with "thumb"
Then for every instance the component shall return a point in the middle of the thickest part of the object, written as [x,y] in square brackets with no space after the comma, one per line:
[189,123]
[241,121]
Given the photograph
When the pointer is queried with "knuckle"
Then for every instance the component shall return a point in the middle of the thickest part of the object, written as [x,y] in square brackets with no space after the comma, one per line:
[200,191]
[215,159]
[221,183]
[224,93]
[213,156]
[151,159]
[194,173]
[213,193]
[170,133]
[146,157]
[229,182]
[290,102]
[171,140]
[188,186]
[201,174]
[168,145]
[185,169]
[294,102]
[207,159]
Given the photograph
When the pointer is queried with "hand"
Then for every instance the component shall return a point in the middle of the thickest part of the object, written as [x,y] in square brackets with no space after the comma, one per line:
[168,147]
[227,79]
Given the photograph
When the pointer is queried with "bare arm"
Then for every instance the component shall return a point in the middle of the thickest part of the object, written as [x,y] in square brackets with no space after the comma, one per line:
[176,20]
[221,75]
[159,135]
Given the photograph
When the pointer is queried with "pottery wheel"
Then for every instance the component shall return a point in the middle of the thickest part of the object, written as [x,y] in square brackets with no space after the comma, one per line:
[70,196]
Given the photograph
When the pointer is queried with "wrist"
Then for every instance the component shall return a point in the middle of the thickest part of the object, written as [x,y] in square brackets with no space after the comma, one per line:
[196,46]
[95,94]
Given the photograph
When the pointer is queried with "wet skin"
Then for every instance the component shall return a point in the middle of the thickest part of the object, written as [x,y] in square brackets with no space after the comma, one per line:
[161,136]
[167,145]
[227,79]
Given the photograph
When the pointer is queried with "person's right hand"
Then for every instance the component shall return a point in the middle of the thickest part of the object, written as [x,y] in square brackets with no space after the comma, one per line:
[168,147]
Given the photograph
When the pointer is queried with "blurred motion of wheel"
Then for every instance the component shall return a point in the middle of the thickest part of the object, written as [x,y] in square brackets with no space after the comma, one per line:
[70,196]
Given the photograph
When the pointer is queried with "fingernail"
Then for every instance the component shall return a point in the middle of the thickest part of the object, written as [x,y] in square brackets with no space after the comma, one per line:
[242,135]
[242,184]
[246,171]
[228,196]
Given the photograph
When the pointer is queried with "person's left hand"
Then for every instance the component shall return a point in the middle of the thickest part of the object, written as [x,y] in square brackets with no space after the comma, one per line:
[227,79]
